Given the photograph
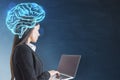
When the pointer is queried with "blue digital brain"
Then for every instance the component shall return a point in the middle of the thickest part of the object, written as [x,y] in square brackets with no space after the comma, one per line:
[24,16]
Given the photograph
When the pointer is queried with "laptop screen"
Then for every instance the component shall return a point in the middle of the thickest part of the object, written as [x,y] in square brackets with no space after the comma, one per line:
[69,64]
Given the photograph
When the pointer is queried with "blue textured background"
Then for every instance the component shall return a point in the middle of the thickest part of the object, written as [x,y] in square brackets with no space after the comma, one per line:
[86,27]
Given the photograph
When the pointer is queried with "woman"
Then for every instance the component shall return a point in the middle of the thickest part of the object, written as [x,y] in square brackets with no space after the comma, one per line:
[23,21]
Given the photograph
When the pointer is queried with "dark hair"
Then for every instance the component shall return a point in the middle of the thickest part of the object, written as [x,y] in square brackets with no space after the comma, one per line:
[19,41]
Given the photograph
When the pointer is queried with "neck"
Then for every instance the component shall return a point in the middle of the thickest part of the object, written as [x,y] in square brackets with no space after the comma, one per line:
[28,41]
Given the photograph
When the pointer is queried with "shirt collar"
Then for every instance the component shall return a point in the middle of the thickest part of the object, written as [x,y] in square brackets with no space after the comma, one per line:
[32,46]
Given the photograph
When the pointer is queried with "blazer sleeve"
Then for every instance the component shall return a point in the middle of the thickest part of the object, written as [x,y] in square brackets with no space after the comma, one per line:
[44,76]
[25,61]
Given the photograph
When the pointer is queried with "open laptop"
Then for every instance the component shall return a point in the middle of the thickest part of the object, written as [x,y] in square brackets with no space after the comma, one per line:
[68,66]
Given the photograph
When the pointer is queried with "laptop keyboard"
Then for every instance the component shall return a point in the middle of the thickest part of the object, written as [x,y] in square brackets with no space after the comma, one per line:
[63,76]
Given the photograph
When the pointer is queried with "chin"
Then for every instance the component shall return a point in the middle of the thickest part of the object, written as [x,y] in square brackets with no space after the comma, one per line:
[34,41]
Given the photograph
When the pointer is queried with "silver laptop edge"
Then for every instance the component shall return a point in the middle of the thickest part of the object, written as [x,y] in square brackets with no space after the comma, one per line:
[70,77]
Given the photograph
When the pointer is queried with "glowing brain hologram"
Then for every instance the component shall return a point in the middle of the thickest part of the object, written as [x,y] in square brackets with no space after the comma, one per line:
[24,16]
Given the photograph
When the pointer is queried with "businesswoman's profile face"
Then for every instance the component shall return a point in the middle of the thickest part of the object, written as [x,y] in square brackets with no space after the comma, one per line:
[35,34]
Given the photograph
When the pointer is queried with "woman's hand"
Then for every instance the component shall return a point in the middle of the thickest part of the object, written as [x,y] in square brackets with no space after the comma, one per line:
[54,75]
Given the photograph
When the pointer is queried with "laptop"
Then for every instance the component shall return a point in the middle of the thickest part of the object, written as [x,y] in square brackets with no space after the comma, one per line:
[68,66]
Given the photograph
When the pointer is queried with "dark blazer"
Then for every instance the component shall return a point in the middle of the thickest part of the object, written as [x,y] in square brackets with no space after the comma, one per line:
[27,65]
